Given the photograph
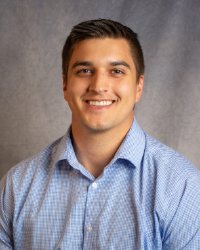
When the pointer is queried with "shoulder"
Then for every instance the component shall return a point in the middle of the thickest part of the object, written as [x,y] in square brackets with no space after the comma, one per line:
[26,177]
[34,163]
[166,159]
[171,175]
[19,178]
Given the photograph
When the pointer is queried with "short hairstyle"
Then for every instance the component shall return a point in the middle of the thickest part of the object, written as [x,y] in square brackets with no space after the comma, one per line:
[103,28]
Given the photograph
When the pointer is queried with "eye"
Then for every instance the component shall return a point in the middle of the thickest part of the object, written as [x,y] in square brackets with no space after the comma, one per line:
[117,72]
[84,71]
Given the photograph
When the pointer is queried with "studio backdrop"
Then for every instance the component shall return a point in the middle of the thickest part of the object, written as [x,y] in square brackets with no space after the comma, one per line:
[32,33]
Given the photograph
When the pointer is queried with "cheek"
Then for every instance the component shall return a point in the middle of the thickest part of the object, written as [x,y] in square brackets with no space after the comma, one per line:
[126,89]
[74,91]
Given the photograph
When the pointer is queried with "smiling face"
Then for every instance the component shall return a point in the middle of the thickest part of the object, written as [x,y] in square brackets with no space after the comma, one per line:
[100,86]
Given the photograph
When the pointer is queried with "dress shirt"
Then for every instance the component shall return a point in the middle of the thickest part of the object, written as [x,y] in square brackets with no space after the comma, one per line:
[148,197]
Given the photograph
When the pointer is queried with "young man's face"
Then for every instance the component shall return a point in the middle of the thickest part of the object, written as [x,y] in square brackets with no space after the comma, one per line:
[101,87]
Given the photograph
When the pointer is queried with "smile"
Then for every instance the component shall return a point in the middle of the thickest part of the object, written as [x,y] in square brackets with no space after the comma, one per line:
[100,103]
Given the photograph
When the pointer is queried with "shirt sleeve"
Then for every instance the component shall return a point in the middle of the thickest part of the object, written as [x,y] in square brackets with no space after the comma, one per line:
[5,216]
[183,217]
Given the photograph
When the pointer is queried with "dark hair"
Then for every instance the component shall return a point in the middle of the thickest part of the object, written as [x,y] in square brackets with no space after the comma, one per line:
[103,28]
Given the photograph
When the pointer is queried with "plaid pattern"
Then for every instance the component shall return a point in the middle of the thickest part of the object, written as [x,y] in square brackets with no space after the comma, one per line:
[148,197]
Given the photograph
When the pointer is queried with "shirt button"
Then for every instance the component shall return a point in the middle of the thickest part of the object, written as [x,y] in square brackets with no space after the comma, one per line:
[94,185]
[89,228]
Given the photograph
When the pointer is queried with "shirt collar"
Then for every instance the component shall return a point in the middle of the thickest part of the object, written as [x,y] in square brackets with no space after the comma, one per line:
[64,150]
[133,146]
[131,149]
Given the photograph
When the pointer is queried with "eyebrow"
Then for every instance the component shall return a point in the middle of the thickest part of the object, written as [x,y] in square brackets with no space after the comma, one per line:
[81,63]
[88,63]
[118,63]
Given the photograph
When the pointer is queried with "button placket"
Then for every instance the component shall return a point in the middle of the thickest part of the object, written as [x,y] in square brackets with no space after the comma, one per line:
[94,185]
[89,213]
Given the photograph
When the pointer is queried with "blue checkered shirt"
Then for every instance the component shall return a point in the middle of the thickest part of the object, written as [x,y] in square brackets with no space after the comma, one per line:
[148,197]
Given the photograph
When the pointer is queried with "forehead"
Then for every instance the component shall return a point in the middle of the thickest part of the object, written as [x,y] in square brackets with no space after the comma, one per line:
[101,49]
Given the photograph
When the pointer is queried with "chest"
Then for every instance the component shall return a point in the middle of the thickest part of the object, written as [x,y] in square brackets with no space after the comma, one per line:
[75,213]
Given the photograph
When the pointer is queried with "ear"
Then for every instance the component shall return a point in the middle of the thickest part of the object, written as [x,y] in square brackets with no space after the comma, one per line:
[139,88]
[64,80]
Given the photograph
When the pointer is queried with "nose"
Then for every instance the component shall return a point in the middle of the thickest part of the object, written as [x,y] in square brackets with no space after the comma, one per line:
[99,83]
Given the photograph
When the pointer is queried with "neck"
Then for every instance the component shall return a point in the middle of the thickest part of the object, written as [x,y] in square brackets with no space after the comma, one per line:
[95,150]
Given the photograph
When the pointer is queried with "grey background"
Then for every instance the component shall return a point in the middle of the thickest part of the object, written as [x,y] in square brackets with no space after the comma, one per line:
[33,112]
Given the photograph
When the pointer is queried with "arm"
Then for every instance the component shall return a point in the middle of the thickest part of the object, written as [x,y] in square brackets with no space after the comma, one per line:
[5,216]
[183,217]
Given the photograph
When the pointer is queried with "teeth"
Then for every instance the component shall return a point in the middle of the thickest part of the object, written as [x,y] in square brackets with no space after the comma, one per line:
[100,103]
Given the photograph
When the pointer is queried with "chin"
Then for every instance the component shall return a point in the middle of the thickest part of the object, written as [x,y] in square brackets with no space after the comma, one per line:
[98,128]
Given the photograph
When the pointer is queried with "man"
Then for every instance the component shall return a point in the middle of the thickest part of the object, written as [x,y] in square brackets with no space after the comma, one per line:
[106,184]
